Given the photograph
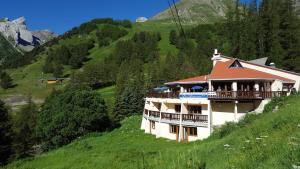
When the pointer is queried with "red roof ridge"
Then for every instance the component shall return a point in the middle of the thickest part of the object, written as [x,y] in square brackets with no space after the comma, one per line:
[265,66]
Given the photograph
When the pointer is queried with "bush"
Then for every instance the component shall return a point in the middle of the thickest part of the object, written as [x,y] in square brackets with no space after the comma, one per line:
[68,114]
[225,130]
[275,102]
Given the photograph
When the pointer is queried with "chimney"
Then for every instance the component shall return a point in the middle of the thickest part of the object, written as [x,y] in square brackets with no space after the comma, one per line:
[272,65]
[216,57]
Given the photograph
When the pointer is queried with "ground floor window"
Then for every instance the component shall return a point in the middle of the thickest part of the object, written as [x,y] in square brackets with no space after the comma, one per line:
[193,131]
[152,123]
[173,129]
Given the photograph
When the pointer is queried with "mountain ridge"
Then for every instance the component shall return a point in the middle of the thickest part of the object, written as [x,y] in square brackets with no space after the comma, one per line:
[196,11]
[17,33]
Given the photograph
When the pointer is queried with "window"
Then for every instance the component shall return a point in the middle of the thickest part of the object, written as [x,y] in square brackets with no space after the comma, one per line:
[236,64]
[152,123]
[195,109]
[193,131]
[173,129]
[178,108]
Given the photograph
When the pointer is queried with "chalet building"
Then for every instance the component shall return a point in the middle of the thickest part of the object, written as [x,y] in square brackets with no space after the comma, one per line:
[189,109]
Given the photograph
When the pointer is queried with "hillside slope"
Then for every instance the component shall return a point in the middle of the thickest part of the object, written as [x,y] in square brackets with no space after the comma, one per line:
[197,11]
[28,78]
[7,50]
[268,140]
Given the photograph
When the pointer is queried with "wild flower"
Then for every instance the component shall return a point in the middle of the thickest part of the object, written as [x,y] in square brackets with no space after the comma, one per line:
[226,145]
[294,138]
[264,136]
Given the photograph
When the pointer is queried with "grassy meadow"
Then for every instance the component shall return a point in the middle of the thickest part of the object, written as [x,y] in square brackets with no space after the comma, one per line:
[268,140]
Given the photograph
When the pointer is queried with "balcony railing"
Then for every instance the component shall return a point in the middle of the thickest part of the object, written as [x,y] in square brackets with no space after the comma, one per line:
[170,116]
[175,117]
[234,95]
[194,117]
[154,114]
[163,95]
[246,94]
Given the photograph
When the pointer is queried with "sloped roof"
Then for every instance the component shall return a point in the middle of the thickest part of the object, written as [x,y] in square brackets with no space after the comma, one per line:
[260,61]
[197,79]
[222,71]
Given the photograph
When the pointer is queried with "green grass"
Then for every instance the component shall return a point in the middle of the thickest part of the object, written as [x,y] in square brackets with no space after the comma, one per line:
[268,140]
[108,94]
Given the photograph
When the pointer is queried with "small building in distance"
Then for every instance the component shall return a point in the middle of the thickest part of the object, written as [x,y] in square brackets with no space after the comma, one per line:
[54,80]
[141,19]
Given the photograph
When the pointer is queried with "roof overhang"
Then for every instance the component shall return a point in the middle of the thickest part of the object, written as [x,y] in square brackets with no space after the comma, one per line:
[180,83]
[252,79]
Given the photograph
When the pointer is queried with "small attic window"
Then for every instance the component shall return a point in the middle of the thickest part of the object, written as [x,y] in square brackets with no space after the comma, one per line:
[236,64]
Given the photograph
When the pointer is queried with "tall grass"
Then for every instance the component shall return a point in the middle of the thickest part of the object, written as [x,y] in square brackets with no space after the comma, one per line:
[263,141]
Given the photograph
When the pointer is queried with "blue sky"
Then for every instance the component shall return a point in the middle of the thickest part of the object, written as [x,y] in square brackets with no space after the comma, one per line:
[61,15]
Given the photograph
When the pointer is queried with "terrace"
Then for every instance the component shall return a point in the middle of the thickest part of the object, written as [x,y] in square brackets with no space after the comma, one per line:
[174,118]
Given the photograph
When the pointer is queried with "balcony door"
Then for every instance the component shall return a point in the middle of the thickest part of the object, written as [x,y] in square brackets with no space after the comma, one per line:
[195,109]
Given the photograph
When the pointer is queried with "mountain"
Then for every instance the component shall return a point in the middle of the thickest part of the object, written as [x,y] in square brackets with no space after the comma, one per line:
[17,34]
[197,11]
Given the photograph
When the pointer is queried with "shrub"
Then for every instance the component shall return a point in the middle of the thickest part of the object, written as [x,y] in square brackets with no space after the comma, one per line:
[68,114]
[275,102]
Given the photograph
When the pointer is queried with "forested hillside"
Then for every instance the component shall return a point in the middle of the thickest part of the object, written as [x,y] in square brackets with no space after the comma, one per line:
[6,50]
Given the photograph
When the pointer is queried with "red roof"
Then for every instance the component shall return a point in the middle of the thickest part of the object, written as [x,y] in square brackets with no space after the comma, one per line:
[197,79]
[222,70]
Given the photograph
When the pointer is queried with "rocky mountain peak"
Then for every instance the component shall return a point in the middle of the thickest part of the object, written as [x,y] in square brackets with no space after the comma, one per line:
[16,32]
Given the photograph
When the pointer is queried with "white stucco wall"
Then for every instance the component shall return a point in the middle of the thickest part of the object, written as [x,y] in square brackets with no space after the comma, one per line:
[224,112]
[202,133]
[164,132]
[277,85]
[276,72]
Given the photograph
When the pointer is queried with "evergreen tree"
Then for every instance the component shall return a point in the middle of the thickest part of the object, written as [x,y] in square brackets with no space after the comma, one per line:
[5,80]
[5,134]
[290,35]
[270,18]
[24,127]
[173,37]
[58,70]
[130,90]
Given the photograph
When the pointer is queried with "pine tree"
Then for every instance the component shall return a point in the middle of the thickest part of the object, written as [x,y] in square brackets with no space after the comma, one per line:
[270,20]
[173,37]
[58,70]
[5,134]
[5,80]
[290,35]
[24,127]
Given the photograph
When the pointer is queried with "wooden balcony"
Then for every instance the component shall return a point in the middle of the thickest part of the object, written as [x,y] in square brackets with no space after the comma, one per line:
[170,116]
[155,114]
[174,118]
[194,117]
[245,95]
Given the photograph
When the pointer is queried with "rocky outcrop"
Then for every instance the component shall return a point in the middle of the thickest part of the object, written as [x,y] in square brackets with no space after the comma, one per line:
[16,32]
